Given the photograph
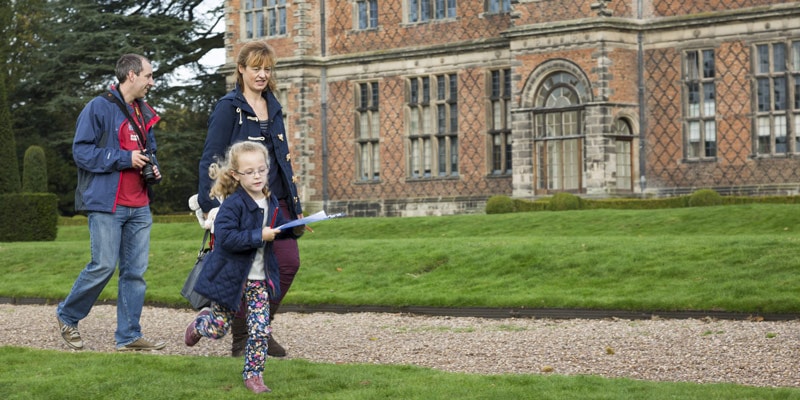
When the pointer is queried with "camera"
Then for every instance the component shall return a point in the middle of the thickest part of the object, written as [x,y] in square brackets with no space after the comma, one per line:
[147,171]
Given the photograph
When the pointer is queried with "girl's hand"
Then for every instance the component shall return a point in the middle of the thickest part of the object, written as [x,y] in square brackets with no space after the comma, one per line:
[268,234]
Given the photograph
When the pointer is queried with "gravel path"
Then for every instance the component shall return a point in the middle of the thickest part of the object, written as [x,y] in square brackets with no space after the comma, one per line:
[695,350]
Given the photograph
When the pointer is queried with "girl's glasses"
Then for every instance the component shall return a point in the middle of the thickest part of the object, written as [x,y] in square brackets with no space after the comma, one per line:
[260,171]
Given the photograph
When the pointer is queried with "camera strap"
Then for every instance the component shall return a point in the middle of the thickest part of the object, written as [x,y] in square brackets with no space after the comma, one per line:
[124,108]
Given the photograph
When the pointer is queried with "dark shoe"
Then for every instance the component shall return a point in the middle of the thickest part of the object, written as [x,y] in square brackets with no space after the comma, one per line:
[256,385]
[239,336]
[192,336]
[274,349]
[142,344]
[70,335]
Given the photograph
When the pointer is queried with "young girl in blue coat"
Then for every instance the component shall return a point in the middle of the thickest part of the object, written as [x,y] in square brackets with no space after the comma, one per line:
[243,262]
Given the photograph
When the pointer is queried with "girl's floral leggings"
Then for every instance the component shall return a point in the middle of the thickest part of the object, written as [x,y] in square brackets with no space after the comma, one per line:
[216,324]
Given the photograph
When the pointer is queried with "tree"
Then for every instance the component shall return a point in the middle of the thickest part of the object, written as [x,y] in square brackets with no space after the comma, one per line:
[9,166]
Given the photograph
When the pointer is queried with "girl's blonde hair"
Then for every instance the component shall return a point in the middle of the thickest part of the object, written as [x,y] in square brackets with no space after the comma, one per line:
[256,54]
[220,171]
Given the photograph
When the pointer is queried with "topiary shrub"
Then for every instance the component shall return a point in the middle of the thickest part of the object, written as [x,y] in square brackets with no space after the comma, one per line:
[705,197]
[564,201]
[34,171]
[499,205]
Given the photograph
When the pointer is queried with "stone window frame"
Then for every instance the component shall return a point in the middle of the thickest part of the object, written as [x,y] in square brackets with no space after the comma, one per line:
[425,11]
[699,104]
[559,155]
[497,6]
[776,105]
[367,131]
[498,133]
[365,11]
[431,123]
[263,11]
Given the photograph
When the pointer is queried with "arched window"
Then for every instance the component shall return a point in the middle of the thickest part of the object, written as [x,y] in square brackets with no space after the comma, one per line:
[558,138]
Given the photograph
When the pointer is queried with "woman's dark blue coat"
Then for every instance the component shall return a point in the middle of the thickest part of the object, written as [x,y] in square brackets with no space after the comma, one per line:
[237,237]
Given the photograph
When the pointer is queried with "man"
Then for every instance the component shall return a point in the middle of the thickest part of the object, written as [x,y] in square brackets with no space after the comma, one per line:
[114,149]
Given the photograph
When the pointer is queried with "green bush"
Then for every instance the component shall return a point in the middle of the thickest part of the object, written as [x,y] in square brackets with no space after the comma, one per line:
[499,205]
[704,198]
[34,171]
[564,202]
[28,217]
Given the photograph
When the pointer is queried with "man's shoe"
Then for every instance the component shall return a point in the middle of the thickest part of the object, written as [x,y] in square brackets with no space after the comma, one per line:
[192,336]
[274,349]
[256,385]
[142,344]
[70,335]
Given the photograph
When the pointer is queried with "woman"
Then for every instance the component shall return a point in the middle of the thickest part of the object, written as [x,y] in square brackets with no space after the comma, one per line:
[252,112]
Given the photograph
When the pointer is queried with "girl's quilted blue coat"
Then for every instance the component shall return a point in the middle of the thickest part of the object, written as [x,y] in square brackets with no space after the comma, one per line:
[237,237]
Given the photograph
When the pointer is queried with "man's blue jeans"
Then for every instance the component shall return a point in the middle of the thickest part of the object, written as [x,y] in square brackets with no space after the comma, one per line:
[122,236]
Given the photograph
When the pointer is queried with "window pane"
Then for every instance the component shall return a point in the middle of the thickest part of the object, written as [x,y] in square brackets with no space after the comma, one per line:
[441,119]
[709,103]
[497,115]
[363,120]
[780,134]
[375,94]
[495,84]
[571,164]
[762,59]
[710,128]
[451,8]
[427,120]
[453,156]
[797,135]
[508,152]
[248,25]
[442,156]
[453,118]
[780,94]
[779,55]
[425,10]
[692,67]
[623,164]
[428,160]
[693,150]
[363,96]
[364,163]
[762,95]
[414,167]
[795,56]
[362,15]
[496,153]
[373,13]
[708,64]
[273,22]
[412,10]
[694,99]
[796,79]
[375,125]
[376,162]
[764,136]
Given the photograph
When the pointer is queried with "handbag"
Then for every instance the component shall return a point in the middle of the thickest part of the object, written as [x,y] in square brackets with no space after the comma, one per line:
[197,300]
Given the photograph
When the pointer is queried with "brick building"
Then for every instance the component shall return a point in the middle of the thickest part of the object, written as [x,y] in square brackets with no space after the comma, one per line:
[429,107]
